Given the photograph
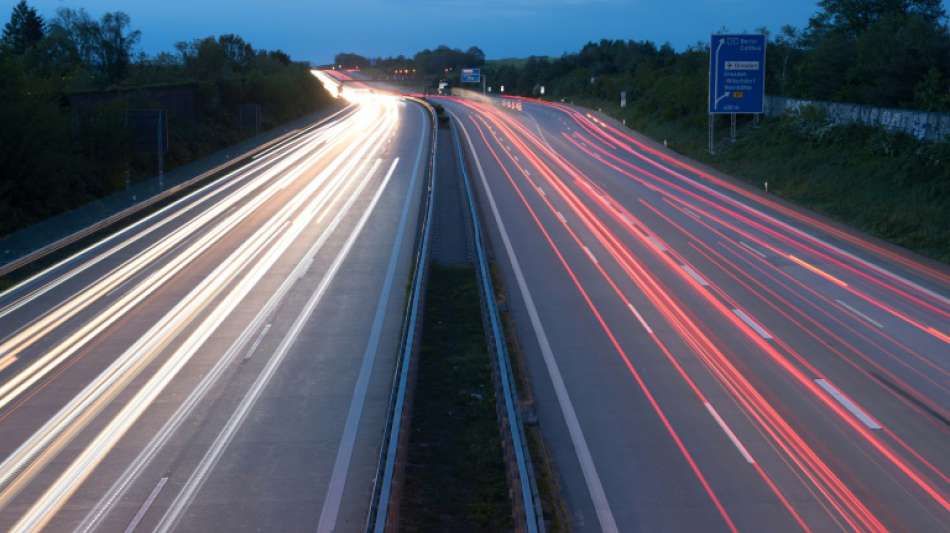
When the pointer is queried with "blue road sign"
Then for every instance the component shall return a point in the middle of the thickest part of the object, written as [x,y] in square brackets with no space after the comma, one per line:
[736,73]
[471,75]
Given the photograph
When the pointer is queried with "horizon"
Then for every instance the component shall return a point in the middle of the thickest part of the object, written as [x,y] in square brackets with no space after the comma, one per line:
[547,29]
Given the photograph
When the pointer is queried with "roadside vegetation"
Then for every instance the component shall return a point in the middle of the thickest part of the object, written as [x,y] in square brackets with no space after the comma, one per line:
[455,475]
[429,65]
[68,82]
[876,52]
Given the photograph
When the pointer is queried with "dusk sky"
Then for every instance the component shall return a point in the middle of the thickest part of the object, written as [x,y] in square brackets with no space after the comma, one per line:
[315,30]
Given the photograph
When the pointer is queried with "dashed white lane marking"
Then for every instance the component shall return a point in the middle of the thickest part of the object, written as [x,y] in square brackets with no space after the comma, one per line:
[860,314]
[560,217]
[257,342]
[751,249]
[859,413]
[640,318]
[148,503]
[690,212]
[226,435]
[656,243]
[695,275]
[341,466]
[590,254]
[729,433]
[595,488]
[752,324]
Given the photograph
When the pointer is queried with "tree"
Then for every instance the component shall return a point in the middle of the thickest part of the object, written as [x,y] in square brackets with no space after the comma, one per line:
[476,56]
[893,55]
[855,16]
[279,56]
[104,48]
[237,50]
[351,60]
[782,50]
[24,30]
[115,45]
[80,36]
[228,56]
[933,92]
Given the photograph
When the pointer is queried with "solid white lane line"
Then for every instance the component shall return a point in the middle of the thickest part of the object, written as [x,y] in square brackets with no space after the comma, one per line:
[695,275]
[125,368]
[598,497]
[257,342]
[98,513]
[728,431]
[224,437]
[57,354]
[859,413]
[341,465]
[751,249]
[37,456]
[144,508]
[752,324]
[860,314]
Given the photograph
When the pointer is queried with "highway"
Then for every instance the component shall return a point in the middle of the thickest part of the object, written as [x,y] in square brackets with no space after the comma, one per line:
[705,357]
[226,362]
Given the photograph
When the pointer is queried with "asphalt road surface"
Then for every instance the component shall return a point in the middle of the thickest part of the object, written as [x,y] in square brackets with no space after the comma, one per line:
[226,363]
[703,356]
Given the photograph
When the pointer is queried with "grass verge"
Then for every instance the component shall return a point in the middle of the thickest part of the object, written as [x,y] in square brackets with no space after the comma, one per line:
[455,476]
[553,508]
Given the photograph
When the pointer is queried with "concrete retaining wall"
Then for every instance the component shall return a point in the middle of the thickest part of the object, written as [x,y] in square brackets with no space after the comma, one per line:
[920,124]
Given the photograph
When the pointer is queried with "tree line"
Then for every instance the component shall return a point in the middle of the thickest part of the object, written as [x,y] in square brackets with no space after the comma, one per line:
[59,151]
[436,62]
[891,53]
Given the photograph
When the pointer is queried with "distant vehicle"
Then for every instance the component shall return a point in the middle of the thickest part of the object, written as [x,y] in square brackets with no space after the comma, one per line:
[444,87]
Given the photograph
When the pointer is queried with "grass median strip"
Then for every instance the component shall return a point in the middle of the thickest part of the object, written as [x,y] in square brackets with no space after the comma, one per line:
[455,477]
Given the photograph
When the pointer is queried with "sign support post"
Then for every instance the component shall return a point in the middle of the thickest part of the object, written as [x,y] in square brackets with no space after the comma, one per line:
[732,128]
[712,134]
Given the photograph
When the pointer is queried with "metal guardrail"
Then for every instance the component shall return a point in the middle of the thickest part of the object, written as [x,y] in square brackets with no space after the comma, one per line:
[380,511]
[529,500]
[130,211]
